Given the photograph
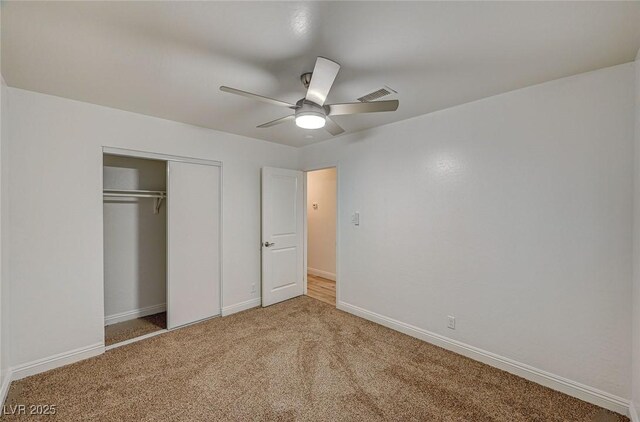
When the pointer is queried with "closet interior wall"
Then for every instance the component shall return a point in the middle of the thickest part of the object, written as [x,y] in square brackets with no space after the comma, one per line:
[135,240]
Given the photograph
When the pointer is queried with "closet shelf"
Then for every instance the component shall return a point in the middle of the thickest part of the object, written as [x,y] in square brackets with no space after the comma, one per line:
[123,193]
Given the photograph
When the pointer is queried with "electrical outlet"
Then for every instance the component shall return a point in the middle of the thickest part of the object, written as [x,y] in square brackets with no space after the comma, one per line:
[451,322]
[253,288]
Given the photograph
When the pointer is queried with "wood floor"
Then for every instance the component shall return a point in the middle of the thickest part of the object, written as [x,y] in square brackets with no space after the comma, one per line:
[322,289]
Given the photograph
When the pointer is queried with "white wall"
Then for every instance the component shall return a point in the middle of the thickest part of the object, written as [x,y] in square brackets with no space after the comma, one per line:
[3,103]
[135,246]
[56,212]
[3,128]
[512,213]
[321,223]
[635,397]
[4,235]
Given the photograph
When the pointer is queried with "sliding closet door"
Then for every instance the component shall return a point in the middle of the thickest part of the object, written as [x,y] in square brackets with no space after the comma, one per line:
[193,199]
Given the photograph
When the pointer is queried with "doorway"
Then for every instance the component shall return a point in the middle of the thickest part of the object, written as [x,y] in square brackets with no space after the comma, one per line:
[135,221]
[321,208]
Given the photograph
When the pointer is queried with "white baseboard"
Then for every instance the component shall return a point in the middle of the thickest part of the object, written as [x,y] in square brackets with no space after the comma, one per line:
[55,361]
[633,413]
[321,273]
[136,313]
[242,306]
[4,388]
[564,385]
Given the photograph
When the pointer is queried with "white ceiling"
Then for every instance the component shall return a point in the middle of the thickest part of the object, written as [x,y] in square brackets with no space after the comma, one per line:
[167,59]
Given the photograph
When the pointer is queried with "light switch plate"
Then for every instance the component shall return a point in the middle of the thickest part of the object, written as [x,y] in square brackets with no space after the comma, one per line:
[355,219]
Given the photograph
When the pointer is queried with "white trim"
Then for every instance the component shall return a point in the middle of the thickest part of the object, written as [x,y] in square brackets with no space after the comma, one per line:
[6,383]
[556,382]
[633,414]
[338,231]
[305,232]
[55,361]
[220,239]
[157,156]
[133,314]
[242,306]
[321,273]
[135,339]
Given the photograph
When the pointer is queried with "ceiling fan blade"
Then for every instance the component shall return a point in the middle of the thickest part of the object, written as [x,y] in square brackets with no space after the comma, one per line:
[357,108]
[256,97]
[332,127]
[277,121]
[322,79]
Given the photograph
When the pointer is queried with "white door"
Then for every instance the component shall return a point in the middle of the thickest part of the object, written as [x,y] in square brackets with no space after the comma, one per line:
[193,240]
[282,208]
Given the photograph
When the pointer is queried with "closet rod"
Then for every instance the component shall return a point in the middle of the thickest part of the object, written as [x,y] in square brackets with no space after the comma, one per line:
[135,193]
[121,193]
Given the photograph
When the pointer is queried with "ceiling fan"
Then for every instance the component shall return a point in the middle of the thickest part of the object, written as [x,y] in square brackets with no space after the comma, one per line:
[311,112]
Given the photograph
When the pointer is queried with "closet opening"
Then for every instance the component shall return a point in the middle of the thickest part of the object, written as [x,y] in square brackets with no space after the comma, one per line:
[321,193]
[135,247]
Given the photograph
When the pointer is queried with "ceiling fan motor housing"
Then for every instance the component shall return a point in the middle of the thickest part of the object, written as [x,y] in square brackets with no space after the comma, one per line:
[310,115]
[304,107]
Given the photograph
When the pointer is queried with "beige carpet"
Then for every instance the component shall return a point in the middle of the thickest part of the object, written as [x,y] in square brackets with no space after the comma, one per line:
[134,328]
[298,360]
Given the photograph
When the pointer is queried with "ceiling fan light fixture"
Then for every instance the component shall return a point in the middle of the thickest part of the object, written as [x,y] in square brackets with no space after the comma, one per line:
[310,120]
[311,112]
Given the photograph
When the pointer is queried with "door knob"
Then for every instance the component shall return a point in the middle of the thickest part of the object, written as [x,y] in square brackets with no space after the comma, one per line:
[267,244]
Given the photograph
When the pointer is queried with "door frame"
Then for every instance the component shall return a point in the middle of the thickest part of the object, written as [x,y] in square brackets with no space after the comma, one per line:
[132,153]
[305,227]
